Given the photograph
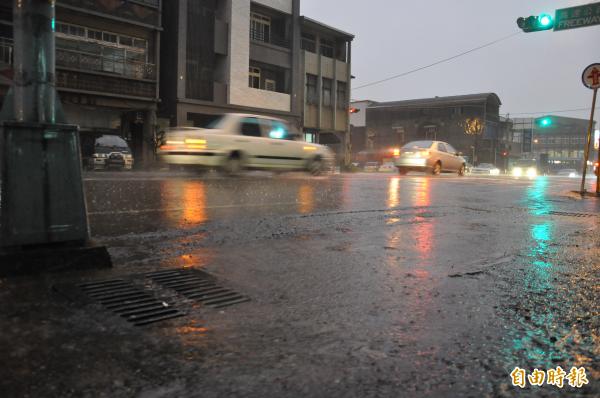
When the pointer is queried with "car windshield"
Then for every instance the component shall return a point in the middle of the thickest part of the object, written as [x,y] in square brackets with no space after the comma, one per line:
[417,145]
[110,143]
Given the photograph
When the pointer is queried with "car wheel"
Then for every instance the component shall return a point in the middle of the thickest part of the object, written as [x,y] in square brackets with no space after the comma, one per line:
[461,170]
[233,165]
[402,172]
[437,169]
[315,166]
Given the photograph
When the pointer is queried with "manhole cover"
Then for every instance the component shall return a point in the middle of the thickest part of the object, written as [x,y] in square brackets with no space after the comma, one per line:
[197,286]
[567,214]
[136,305]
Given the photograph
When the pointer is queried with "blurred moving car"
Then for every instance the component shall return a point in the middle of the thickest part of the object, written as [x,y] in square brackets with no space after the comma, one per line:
[571,173]
[485,168]
[371,166]
[524,168]
[105,151]
[237,141]
[429,156]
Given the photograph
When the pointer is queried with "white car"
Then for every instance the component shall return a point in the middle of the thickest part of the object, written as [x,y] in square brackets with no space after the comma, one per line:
[242,141]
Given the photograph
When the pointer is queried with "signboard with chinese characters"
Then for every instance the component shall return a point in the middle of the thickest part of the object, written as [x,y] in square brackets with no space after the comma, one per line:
[577,17]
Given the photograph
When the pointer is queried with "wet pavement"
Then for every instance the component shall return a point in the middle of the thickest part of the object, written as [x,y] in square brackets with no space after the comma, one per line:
[360,285]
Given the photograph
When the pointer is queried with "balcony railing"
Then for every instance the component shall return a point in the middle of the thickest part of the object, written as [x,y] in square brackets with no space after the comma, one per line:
[258,36]
[98,63]
[105,84]
[6,51]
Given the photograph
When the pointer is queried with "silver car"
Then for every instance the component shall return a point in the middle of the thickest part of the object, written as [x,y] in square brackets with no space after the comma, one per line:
[429,156]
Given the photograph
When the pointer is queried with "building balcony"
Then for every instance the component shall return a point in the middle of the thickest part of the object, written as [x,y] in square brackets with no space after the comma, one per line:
[259,37]
[97,63]
[104,85]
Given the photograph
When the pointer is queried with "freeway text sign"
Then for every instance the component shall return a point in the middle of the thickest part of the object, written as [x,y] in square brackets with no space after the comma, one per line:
[577,17]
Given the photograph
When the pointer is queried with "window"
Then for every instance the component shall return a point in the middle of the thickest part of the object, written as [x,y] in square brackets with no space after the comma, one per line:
[278,130]
[254,77]
[327,92]
[310,137]
[442,147]
[140,43]
[94,35]
[109,37]
[451,149]
[309,42]
[270,85]
[126,41]
[260,27]
[327,48]
[342,99]
[312,95]
[250,127]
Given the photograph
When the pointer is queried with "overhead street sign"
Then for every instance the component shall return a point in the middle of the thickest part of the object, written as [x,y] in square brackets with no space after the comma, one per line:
[591,76]
[577,17]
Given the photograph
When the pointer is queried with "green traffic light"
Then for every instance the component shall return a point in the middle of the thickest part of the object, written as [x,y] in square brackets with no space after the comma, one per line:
[545,20]
[545,122]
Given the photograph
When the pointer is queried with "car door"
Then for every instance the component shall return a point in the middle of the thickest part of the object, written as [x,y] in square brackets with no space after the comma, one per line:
[284,151]
[251,143]
[456,161]
[443,154]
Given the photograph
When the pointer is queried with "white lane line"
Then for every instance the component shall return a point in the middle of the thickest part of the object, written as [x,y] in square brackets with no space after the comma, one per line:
[237,206]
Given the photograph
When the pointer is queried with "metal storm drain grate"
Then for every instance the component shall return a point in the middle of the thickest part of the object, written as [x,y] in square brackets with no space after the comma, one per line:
[567,214]
[197,286]
[136,305]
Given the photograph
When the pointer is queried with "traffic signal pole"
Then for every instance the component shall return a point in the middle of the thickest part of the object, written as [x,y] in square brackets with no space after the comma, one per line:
[587,149]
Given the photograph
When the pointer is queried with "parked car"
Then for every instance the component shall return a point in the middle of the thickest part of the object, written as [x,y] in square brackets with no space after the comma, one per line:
[485,168]
[105,151]
[237,141]
[429,156]
[371,166]
[571,173]
[387,167]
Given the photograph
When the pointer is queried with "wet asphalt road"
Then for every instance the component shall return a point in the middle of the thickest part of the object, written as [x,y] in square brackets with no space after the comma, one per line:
[361,285]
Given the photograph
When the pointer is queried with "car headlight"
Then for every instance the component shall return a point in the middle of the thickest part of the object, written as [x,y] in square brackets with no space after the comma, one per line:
[531,172]
[100,155]
[572,175]
[495,172]
[517,172]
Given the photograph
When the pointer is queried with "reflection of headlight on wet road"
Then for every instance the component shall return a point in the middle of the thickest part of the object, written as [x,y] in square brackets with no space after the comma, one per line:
[495,172]
[531,172]
[572,175]
[517,172]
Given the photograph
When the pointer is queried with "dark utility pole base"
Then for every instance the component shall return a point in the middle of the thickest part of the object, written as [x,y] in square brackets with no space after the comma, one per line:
[51,258]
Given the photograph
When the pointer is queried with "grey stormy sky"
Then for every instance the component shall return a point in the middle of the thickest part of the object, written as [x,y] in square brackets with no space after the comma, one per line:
[530,72]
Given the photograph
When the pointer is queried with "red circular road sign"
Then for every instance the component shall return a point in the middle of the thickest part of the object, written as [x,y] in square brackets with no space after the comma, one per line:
[591,76]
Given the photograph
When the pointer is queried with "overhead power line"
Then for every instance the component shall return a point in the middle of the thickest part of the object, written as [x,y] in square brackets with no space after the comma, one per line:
[550,112]
[439,62]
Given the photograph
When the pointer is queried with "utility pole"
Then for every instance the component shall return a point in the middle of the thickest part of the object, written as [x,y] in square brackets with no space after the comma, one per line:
[43,219]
